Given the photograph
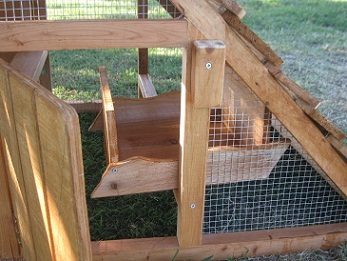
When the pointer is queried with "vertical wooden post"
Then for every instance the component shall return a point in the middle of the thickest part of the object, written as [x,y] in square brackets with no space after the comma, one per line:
[142,8]
[202,84]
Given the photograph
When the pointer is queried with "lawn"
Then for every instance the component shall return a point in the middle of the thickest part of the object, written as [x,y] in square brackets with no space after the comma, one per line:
[310,36]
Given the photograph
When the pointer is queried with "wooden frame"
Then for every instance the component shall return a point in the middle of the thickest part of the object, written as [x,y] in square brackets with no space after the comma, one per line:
[196,101]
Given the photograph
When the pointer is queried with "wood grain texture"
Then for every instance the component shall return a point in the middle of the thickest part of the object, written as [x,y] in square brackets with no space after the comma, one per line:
[224,246]
[109,116]
[13,164]
[27,134]
[146,87]
[270,91]
[92,34]
[137,175]
[208,63]
[30,63]
[194,130]
[51,225]
[9,247]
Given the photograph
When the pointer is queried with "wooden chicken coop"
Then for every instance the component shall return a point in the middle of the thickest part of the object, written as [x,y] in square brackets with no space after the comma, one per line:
[249,178]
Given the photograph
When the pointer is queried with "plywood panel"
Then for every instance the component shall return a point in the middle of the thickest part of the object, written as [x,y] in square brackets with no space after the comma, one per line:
[13,165]
[30,156]
[41,140]
[9,247]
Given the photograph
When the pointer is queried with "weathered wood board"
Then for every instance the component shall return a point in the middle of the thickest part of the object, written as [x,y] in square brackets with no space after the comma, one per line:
[46,180]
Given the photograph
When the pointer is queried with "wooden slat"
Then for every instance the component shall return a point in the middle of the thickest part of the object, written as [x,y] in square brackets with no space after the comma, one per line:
[110,128]
[194,129]
[224,246]
[269,91]
[137,175]
[296,89]
[338,145]
[13,165]
[146,87]
[64,179]
[91,34]
[9,247]
[30,63]
[30,157]
[254,39]
[230,5]
[158,108]
[51,225]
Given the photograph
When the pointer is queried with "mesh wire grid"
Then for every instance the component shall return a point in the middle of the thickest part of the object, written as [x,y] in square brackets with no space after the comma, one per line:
[259,176]
[85,9]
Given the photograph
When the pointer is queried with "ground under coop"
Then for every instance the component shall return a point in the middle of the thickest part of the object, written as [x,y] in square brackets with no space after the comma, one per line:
[201,161]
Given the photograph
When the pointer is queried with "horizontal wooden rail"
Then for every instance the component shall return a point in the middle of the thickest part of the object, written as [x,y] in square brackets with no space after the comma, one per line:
[91,34]
[227,245]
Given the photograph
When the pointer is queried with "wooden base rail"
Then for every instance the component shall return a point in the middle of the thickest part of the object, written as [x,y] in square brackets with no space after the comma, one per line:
[222,246]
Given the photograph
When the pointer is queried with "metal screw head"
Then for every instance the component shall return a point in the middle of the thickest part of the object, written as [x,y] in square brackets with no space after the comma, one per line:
[192,206]
[114,170]
[208,65]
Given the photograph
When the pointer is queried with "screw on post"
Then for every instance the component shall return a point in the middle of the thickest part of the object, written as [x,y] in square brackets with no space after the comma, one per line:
[208,65]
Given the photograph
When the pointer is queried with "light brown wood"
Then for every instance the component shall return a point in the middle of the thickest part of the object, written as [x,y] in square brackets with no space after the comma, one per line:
[277,100]
[254,39]
[13,165]
[208,63]
[338,145]
[224,246]
[244,163]
[51,225]
[9,247]
[244,116]
[146,87]
[159,108]
[137,175]
[222,5]
[194,129]
[34,184]
[30,63]
[109,116]
[92,34]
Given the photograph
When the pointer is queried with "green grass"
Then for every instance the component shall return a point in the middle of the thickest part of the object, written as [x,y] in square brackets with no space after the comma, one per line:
[311,37]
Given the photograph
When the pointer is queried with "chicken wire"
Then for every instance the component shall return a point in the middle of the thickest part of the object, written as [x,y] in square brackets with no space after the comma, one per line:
[259,176]
[85,9]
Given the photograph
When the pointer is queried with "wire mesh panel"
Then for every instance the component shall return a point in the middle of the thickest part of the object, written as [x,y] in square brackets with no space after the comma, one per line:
[260,176]
[85,9]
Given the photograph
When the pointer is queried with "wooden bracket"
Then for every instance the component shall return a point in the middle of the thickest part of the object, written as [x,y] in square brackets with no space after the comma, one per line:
[208,63]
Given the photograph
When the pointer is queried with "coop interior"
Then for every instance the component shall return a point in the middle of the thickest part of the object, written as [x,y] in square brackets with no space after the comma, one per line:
[175,127]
